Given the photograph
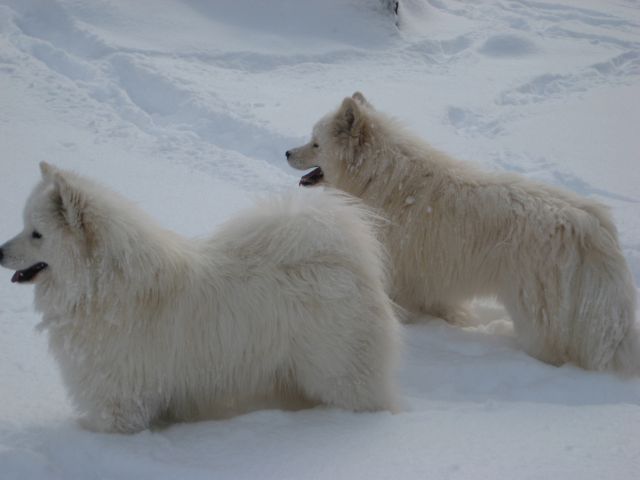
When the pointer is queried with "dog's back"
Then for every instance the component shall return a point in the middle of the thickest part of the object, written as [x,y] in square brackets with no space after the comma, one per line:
[308,225]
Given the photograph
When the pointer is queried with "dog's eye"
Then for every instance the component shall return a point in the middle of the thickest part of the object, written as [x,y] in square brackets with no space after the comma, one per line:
[36,234]
[315,145]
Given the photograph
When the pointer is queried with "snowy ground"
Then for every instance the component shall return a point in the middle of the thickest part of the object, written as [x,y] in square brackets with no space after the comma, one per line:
[187,107]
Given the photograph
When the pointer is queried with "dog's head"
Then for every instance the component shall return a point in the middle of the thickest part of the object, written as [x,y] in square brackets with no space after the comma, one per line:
[335,142]
[85,246]
[57,231]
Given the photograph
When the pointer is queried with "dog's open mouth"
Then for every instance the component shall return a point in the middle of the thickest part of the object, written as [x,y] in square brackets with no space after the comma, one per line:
[28,274]
[312,178]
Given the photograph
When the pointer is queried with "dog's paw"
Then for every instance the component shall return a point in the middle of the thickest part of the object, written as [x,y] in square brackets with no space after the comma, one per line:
[94,424]
[105,423]
[458,315]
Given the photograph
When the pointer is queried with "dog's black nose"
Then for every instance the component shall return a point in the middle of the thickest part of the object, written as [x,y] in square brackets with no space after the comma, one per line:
[287,153]
[1,254]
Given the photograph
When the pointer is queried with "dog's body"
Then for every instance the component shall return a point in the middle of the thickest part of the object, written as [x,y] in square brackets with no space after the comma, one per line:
[286,302]
[551,257]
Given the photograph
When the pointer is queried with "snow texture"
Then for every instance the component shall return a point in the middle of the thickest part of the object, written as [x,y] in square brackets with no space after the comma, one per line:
[187,107]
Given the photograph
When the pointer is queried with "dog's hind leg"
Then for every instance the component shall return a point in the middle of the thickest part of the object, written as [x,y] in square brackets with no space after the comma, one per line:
[351,387]
[580,312]
[537,326]
[627,356]
[605,335]
[351,365]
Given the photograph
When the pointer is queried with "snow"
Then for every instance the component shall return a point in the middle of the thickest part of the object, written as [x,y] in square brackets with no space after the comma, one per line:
[187,107]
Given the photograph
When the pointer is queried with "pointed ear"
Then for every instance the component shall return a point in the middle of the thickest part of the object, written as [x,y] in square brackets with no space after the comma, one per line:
[72,202]
[359,97]
[47,170]
[349,118]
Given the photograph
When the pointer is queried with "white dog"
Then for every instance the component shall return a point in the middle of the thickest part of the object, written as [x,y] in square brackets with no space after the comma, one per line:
[551,257]
[286,302]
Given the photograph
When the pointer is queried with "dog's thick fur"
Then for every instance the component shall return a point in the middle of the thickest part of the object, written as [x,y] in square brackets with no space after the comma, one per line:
[551,257]
[285,302]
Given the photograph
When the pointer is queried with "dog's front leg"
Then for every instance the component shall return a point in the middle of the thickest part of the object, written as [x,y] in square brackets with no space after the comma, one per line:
[119,416]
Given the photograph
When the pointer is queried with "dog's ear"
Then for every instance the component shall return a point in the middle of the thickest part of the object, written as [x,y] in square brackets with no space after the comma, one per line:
[70,201]
[359,97]
[349,120]
[47,170]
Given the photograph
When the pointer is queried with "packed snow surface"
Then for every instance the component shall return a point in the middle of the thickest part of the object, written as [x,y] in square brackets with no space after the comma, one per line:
[187,107]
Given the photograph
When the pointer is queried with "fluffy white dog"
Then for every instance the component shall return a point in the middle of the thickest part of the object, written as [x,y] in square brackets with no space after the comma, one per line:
[286,302]
[551,257]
